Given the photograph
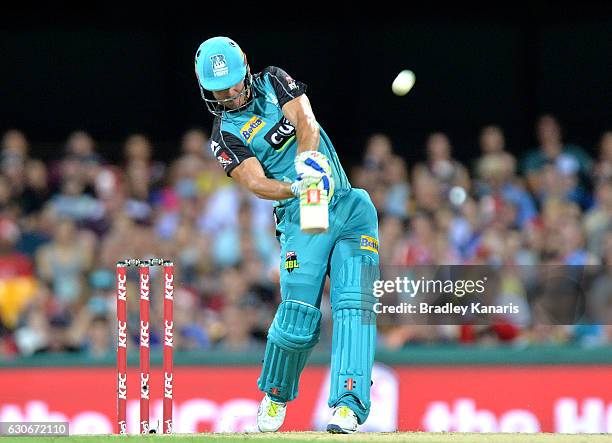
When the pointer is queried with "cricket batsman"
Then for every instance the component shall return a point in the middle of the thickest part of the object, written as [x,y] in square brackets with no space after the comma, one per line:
[262,122]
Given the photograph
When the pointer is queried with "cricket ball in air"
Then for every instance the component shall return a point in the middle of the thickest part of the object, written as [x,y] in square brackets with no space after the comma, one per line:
[403,83]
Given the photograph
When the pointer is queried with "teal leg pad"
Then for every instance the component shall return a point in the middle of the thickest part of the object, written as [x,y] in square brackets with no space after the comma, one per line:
[354,336]
[293,334]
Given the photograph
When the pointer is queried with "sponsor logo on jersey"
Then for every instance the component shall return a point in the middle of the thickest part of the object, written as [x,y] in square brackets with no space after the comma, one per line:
[214,147]
[270,97]
[252,127]
[369,243]
[224,159]
[280,135]
[290,83]
[219,65]
[291,261]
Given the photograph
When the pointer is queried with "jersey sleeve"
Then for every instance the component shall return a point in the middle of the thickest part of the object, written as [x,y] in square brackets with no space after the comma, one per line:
[285,87]
[227,148]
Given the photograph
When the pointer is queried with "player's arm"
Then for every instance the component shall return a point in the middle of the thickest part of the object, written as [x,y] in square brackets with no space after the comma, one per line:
[292,99]
[238,162]
[250,175]
[299,112]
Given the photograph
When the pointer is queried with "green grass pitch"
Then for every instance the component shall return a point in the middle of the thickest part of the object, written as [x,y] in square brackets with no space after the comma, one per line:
[299,437]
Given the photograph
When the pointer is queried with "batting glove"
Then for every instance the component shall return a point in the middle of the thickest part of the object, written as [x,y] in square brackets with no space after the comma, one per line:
[303,182]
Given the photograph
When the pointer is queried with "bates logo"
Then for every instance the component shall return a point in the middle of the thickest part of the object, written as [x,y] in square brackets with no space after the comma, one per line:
[368,243]
[122,334]
[122,427]
[122,378]
[168,426]
[168,287]
[144,334]
[280,135]
[291,261]
[144,287]
[168,336]
[121,289]
[145,426]
[167,385]
[144,386]
[252,127]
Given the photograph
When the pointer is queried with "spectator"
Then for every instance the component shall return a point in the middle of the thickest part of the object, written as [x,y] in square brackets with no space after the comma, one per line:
[72,202]
[378,153]
[99,343]
[195,142]
[138,150]
[391,231]
[58,337]
[599,301]
[238,337]
[492,140]
[598,221]
[32,336]
[63,262]
[418,248]
[15,143]
[191,322]
[440,165]
[79,155]
[603,169]
[36,191]
[17,283]
[497,180]
[81,215]
[553,150]
[572,245]
[397,188]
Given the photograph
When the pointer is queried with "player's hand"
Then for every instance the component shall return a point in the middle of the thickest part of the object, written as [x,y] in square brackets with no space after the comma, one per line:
[312,162]
[305,181]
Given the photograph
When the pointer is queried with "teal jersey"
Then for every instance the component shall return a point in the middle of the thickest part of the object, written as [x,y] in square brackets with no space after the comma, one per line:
[260,130]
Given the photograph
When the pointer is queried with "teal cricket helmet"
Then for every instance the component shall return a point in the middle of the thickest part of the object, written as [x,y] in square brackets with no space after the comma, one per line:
[221,64]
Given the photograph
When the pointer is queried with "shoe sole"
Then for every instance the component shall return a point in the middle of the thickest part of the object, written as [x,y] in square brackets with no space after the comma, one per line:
[268,430]
[335,429]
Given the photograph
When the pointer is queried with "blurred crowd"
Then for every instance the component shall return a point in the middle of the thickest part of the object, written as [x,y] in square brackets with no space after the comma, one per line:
[65,223]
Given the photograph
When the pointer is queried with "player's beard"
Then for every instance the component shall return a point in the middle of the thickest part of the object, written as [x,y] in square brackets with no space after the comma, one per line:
[241,100]
[217,107]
